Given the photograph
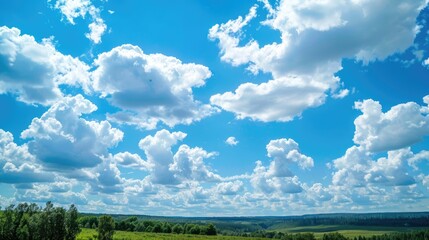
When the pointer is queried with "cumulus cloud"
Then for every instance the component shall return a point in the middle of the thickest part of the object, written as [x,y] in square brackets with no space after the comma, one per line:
[35,71]
[131,160]
[108,178]
[357,168]
[158,152]
[267,101]
[187,164]
[150,88]
[401,126]
[278,177]
[314,38]
[18,166]
[72,9]
[62,140]
[229,188]
[231,141]
[284,152]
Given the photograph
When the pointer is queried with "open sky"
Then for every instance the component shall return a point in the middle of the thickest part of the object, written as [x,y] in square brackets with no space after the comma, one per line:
[215,107]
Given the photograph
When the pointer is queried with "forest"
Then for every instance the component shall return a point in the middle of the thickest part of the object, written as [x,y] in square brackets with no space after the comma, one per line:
[26,221]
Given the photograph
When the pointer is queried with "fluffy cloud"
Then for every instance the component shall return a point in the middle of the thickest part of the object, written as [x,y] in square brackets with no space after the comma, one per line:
[72,9]
[17,164]
[108,178]
[187,164]
[34,71]
[315,37]
[285,152]
[64,141]
[357,168]
[278,177]
[150,88]
[267,101]
[231,141]
[131,160]
[401,126]
[157,149]
[229,188]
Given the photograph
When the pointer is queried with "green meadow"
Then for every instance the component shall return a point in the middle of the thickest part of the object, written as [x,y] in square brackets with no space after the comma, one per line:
[87,234]
[347,231]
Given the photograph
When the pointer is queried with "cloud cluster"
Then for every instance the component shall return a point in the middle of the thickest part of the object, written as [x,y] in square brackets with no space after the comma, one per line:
[377,132]
[150,88]
[64,141]
[315,37]
[231,141]
[187,164]
[18,166]
[401,126]
[35,71]
[72,9]
[278,177]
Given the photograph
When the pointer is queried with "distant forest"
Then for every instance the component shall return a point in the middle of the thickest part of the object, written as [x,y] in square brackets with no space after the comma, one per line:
[32,222]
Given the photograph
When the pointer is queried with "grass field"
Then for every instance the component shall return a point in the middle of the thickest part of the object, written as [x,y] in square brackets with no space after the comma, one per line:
[120,235]
[347,231]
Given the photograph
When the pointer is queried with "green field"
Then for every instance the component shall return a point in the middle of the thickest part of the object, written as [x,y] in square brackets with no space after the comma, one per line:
[347,231]
[121,235]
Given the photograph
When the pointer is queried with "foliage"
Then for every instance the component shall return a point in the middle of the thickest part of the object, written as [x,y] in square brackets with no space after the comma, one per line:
[72,224]
[30,222]
[106,227]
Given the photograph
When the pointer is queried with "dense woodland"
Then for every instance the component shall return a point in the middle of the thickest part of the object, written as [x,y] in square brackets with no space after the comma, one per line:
[31,222]
[133,224]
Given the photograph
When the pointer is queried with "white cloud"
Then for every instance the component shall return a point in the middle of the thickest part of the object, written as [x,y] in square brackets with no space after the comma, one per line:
[401,126]
[231,141]
[34,71]
[158,152]
[72,9]
[64,141]
[150,88]
[108,178]
[315,37]
[131,160]
[285,152]
[187,164]
[96,30]
[229,188]
[357,168]
[266,101]
[17,164]
[278,177]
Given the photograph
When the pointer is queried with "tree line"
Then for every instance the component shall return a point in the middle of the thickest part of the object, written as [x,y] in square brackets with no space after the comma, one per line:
[133,224]
[376,220]
[31,222]
[415,235]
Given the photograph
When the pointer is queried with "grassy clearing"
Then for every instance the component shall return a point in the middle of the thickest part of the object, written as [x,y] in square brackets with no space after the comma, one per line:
[87,234]
[346,230]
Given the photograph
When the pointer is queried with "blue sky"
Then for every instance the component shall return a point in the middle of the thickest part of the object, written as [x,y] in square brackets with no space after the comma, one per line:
[215,108]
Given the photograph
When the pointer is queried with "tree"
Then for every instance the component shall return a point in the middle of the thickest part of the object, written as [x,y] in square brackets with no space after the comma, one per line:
[333,236]
[58,223]
[8,228]
[72,224]
[177,229]
[106,227]
[211,230]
